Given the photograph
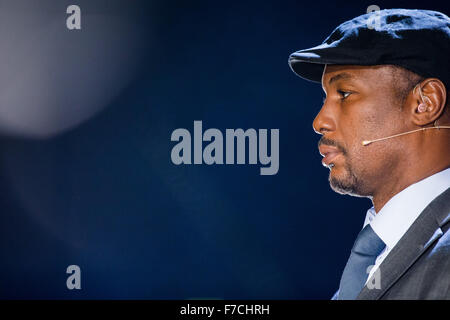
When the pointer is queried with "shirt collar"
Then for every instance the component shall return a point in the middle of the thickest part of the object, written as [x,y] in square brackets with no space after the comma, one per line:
[400,212]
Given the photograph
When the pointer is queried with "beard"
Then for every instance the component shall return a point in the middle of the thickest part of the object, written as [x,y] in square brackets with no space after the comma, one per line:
[348,181]
[346,184]
[343,177]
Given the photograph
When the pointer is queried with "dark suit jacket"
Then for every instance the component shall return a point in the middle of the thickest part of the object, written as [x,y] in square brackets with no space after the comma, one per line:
[418,267]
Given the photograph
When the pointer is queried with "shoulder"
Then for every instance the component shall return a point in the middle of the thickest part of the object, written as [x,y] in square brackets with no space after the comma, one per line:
[429,276]
[434,265]
[441,249]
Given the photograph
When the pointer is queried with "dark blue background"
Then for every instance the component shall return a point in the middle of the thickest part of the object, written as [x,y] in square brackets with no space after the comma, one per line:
[106,196]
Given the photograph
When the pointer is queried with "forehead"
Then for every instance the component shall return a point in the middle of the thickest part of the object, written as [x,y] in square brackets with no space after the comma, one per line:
[368,75]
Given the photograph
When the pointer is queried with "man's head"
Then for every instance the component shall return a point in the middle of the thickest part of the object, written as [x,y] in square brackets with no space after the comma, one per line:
[368,102]
[380,82]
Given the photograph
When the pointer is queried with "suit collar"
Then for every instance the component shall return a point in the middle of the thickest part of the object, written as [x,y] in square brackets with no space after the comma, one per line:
[398,214]
[422,234]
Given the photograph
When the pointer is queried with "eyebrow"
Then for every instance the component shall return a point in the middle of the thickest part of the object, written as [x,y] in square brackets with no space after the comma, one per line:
[340,76]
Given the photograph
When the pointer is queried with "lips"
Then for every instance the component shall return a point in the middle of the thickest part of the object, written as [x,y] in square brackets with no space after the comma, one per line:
[329,153]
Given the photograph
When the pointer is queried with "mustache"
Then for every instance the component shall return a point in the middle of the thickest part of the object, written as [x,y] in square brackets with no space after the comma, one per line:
[329,142]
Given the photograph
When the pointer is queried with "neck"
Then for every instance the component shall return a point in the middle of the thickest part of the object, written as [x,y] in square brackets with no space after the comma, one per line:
[381,198]
[417,166]
[413,166]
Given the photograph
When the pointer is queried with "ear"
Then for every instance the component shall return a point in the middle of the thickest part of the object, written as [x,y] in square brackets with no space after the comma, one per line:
[428,101]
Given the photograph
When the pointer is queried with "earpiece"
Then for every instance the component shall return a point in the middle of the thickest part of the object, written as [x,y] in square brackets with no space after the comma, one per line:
[422,107]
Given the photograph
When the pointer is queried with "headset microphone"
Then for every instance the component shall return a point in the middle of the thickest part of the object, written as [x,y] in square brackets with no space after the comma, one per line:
[367,142]
[421,108]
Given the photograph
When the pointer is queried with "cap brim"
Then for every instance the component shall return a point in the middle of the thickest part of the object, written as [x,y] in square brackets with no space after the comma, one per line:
[309,63]
[307,70]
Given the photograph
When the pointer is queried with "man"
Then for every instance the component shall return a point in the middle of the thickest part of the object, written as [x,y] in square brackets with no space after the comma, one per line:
[384,125]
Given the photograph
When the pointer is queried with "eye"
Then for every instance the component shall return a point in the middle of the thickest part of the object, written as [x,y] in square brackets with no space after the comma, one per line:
[343,94]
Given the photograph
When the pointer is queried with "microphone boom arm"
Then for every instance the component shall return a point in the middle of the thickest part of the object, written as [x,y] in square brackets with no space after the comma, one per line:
[367,142]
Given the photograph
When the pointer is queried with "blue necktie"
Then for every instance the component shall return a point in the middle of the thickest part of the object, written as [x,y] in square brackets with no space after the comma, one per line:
[366,249]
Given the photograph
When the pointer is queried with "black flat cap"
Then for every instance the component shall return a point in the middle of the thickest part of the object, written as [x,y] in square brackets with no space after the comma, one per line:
[417,40]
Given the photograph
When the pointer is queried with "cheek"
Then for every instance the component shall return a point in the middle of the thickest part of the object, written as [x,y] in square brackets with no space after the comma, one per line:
[376,157]
[356,129]
[368,121]
[360,127]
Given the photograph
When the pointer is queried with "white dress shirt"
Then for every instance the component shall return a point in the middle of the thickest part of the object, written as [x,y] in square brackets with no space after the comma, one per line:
[400,212]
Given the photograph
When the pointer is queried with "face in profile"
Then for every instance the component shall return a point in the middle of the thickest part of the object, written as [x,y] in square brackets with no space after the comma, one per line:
[360,104]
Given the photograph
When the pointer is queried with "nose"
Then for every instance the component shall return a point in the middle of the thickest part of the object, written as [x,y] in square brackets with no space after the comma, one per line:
[324,121]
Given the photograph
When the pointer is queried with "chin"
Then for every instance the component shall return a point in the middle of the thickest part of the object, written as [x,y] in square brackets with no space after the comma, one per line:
[344,181]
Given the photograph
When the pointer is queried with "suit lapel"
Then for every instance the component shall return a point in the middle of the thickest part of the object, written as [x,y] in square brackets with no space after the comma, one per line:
[422,233]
